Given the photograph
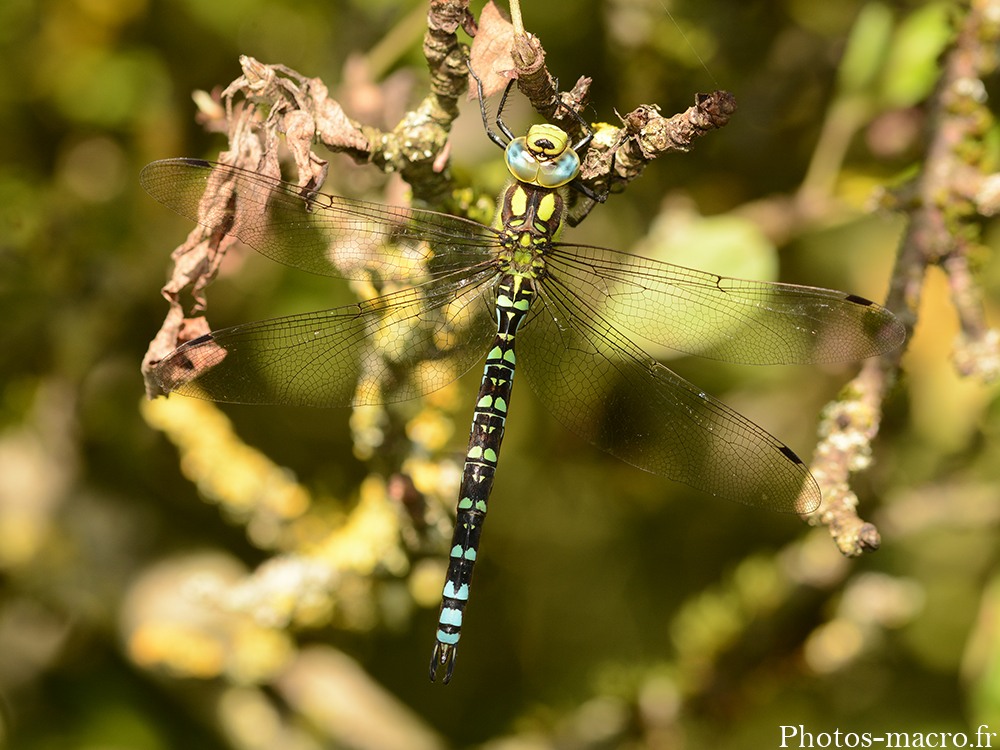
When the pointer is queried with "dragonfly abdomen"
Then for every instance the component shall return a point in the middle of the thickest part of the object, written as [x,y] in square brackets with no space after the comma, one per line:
[514,295]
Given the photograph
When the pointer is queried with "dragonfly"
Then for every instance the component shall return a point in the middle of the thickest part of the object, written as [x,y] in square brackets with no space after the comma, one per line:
[451,290]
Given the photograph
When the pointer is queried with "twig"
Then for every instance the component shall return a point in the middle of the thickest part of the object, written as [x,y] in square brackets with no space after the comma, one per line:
[942,230]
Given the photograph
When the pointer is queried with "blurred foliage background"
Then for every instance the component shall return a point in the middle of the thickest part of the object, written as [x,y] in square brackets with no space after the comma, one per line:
[178,576]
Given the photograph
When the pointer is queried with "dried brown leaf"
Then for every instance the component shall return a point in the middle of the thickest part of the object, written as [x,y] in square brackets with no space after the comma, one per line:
[490,55]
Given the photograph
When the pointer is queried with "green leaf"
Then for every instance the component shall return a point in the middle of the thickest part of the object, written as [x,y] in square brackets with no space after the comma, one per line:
[867,47]
[912,67]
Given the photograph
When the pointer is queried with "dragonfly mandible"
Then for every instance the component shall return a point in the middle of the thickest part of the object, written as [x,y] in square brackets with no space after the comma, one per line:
[459,290]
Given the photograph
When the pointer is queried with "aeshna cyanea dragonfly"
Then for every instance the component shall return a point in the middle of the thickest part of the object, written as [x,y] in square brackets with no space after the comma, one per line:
[463,290]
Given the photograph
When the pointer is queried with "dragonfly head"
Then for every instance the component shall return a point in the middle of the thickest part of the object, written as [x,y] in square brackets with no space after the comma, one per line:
[543,157]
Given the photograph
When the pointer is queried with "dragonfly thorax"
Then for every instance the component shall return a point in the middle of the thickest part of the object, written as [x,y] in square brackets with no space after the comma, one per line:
[529,220]
[543,157]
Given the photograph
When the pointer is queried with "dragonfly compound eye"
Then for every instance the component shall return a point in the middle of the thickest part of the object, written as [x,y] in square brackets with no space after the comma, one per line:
[553,166]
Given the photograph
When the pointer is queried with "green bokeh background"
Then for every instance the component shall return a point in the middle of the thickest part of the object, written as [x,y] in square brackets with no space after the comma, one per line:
[611,608]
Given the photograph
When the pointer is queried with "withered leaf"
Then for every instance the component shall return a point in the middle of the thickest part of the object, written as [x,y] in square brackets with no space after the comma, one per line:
[490,55]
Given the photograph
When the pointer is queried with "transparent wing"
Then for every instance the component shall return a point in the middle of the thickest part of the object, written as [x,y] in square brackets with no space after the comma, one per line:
[320,233]
[614,395]
[748,322]
[391,348]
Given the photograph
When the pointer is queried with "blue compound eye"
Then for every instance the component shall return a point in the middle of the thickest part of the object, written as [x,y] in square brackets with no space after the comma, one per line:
[543,157]
[520,161]
[560,171]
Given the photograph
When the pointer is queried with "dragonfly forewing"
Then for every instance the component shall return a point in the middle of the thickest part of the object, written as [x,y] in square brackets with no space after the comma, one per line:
[316,232]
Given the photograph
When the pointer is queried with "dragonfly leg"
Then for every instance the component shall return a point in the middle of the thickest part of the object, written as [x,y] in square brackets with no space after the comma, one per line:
[486,120]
